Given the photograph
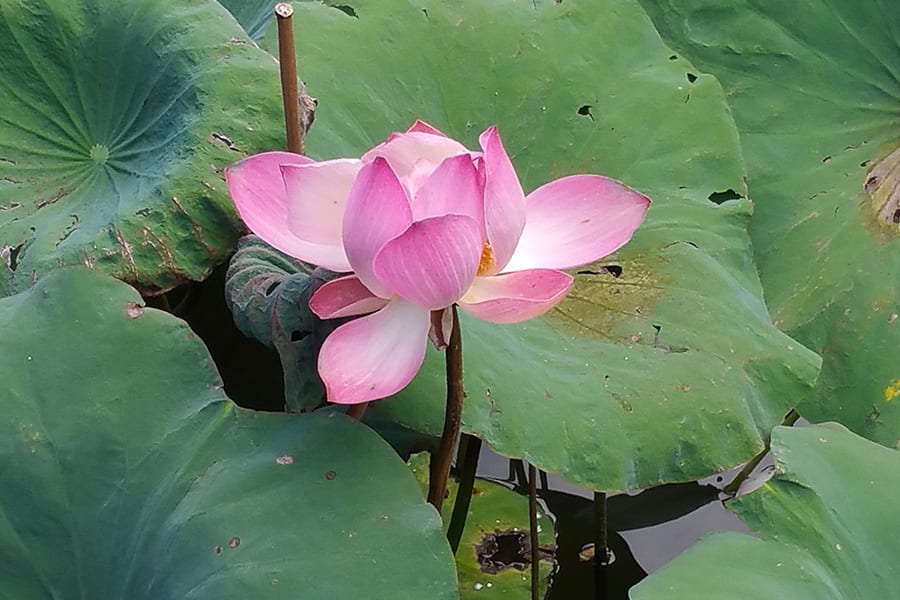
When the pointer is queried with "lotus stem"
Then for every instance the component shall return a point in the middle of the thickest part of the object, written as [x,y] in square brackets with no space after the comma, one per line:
[533,532]
[287,59]
[467,465]
[356,411]
[732,488]
[440,462]
[601,543]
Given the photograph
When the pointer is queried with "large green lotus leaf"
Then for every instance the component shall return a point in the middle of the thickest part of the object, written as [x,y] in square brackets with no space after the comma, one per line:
[827,528]
[816,95]
[126,473]
[117,120]
[253,15]
[663,364]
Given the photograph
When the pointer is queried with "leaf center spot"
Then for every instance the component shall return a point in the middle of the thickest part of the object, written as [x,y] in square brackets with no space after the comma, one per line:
[99,154]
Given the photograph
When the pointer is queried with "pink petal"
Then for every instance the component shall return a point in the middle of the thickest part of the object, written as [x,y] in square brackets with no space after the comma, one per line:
[377,211]
[433,262]
[317,196]
[452,189]
[403,151]
[257,189]
[515,297]
[418,127]
[374,356]
[422,127]
[441,327]
[504,201]
[576,220]
[344,297]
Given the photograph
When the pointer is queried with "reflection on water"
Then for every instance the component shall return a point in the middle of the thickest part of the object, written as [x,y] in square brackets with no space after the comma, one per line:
[647,529]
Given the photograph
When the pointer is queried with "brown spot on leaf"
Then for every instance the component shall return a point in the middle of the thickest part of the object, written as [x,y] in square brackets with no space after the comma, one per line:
[133,310]
[234,542]
[330,475]
[285,460]
[218,549]
[882,189]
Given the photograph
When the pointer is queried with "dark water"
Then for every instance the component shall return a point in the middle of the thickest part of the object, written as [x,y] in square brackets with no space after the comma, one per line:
[646,530]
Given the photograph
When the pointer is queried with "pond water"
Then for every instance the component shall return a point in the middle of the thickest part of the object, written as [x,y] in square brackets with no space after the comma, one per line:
[646,529]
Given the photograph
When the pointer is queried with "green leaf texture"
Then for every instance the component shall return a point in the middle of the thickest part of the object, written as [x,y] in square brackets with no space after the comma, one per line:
[815,89]
[826,528]
[663,365]
[126,473]
[117,120]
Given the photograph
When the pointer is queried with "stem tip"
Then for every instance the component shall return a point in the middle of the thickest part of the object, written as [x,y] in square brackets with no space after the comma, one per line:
[284,10]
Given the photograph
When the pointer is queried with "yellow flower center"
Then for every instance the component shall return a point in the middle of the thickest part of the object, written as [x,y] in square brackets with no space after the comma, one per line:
[487,264]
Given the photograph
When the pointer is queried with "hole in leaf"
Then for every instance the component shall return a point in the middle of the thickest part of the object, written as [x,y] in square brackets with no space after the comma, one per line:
[826,160]
[271,288]
[895,218]
[501,550]
[585,111]
[14,253]
[872,183]
[223,140]
[298,335]
[347,10]
[720,197]
[614,270]
[691,77]
[667,348]
[673,57]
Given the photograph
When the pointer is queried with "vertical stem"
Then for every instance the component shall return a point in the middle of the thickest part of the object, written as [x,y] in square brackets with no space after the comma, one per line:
[532,526]
[732,488]
[440,462]
[467,465]
[600,546]
[287,59]
[356,411]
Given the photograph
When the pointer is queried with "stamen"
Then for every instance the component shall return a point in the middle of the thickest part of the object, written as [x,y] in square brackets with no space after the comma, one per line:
[486,265]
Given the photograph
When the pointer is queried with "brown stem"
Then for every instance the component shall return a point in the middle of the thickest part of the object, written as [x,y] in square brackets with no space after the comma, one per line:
[732,488]
[440,462]
[356,411]
[601,545]
[287,59]
[532,526]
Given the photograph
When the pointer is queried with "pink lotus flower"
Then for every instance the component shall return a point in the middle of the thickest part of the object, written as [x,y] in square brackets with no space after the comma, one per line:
[424,223]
